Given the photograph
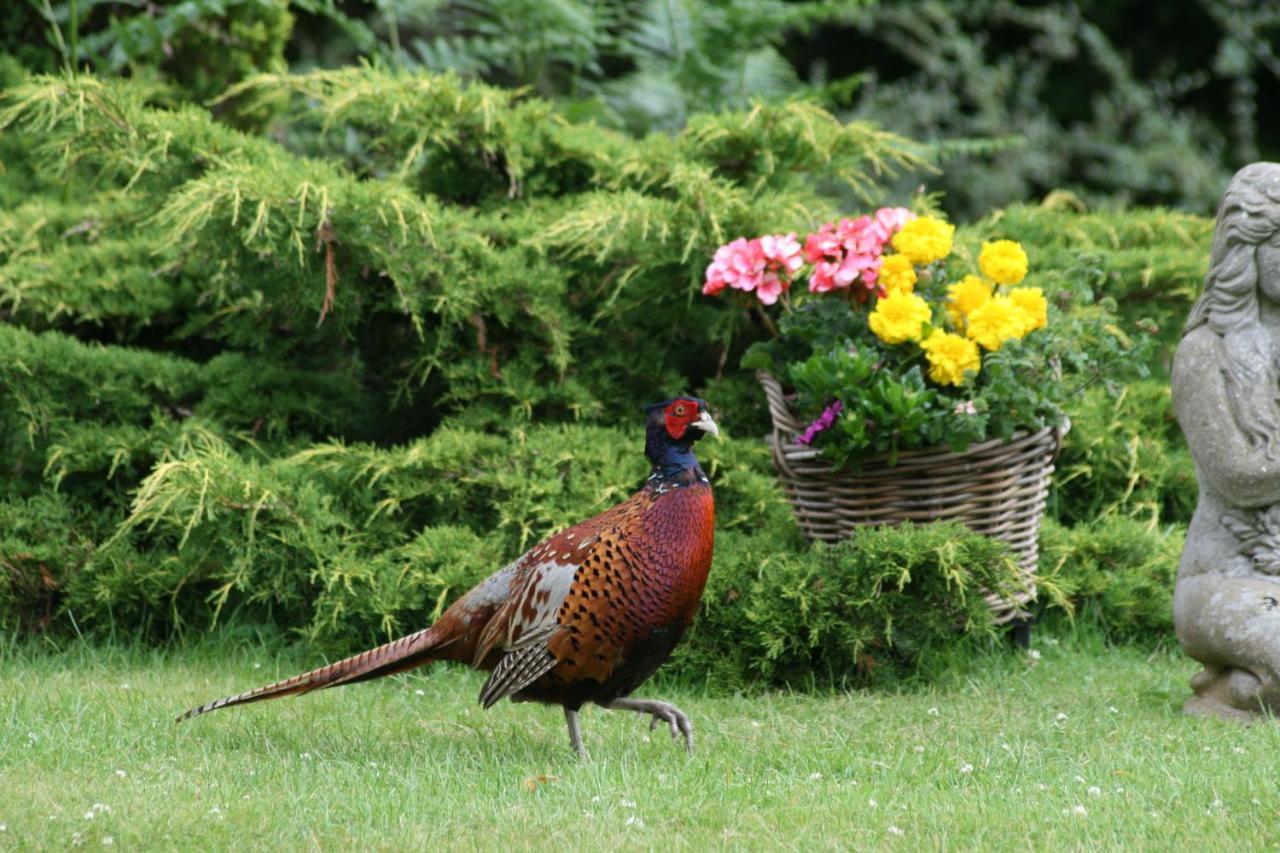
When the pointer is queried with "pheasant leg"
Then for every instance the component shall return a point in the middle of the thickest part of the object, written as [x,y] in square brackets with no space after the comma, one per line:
[575,733]
[677,720]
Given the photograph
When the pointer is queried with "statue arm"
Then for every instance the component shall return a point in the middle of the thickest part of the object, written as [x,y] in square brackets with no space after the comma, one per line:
[1239,471]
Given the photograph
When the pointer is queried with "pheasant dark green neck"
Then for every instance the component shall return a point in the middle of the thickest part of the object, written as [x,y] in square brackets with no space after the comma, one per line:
[672,461]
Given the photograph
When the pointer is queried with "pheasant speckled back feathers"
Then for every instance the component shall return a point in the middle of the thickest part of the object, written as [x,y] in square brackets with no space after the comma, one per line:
[585,616]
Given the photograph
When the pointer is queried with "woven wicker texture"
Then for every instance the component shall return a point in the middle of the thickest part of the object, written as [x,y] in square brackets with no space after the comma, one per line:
[995,488]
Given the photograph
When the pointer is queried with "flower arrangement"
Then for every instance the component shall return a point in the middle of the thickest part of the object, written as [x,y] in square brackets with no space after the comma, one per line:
[898,342]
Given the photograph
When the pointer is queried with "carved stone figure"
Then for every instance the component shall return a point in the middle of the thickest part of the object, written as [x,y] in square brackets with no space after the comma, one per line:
[1226,395]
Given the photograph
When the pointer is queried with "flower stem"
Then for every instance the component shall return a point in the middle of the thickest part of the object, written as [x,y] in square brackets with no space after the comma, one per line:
[767,321]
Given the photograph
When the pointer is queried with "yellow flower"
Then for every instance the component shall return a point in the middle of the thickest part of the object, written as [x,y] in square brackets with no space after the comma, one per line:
[964,296]
[899,317]
[950,357]
[1033,304]
[924,240]
[996,321]
[1003,261]
[897,275]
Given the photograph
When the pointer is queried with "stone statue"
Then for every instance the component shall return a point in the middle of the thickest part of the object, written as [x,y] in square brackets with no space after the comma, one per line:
[1226,395]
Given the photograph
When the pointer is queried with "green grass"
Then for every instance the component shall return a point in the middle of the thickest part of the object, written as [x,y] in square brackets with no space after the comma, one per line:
[1084,747]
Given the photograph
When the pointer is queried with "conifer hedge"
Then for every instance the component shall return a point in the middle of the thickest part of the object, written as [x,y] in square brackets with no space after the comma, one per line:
[327,375]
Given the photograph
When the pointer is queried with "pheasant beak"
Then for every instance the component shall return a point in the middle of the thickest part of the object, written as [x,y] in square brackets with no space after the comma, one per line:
[705,424]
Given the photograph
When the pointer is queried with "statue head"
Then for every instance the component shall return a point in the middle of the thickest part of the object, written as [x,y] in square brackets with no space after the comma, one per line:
[1244,268]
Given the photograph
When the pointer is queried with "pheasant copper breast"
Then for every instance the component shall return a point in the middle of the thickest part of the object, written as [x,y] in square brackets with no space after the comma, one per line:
[585,616]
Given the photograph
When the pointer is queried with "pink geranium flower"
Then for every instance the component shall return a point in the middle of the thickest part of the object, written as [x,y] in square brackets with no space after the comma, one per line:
[739,265]
[763,265]
[850,250]
[889,221]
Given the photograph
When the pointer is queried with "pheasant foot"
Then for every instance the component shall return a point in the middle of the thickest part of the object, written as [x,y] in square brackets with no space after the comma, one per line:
[665,712]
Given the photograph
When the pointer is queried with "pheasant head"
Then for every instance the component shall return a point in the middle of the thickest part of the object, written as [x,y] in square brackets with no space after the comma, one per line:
[672,428]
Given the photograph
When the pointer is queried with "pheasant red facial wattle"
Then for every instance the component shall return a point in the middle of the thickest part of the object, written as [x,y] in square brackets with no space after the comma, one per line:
[586,615]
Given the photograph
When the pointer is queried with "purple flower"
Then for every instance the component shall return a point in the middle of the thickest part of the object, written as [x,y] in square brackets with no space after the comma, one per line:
[823,421]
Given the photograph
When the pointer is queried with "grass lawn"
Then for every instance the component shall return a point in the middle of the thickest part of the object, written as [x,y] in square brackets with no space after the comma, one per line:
[1082,747]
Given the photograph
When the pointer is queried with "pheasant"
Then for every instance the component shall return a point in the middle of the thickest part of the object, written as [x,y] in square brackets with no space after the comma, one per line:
[585,616]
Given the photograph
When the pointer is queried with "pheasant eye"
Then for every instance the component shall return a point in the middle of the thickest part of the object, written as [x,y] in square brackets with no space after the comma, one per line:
[680,411]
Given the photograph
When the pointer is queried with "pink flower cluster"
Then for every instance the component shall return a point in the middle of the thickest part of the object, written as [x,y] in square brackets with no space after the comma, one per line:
[763,266]
[822,422]
[841,253]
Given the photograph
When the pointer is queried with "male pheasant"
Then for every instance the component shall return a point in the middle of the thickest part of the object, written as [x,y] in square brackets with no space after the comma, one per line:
[585,616]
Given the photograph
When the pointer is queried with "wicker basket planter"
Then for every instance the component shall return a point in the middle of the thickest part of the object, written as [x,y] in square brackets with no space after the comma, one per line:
[995,488]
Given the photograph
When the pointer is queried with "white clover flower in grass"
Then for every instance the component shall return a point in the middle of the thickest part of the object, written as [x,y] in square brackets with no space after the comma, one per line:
[1238,750]
[893,830]
[873,804]
[1034,654]
[919,748]
[933,712]
[815,777]
[419,693]
[628,804]
[1112,709]
[107,841]
[3,828]
[1095,791]
[121,773]
[1080,810]
[1061,718]
[966,768]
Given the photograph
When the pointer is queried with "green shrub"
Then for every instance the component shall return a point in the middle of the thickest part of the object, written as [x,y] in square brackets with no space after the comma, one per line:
[1125,456]
[1114,573]
[885,604]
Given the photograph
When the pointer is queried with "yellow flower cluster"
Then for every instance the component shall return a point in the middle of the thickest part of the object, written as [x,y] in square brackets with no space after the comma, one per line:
[897,275]
[1003,261]
[994,322]
[964,296]
[992,319]
[984,311]
[950,357]
[924,240]
[899,317]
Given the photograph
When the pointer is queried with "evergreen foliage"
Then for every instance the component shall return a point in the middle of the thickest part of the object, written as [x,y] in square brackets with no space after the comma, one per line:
[1125,455]
[327,376]
[882,605]
[1116,574]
